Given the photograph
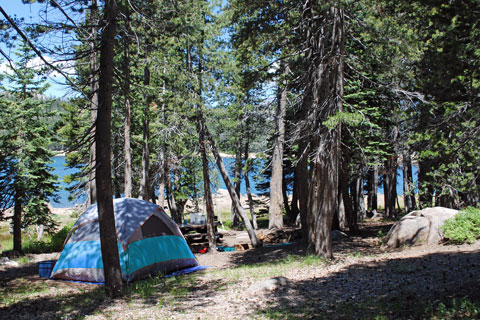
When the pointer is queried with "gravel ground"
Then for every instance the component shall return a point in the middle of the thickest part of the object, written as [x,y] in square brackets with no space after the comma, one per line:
[361,282]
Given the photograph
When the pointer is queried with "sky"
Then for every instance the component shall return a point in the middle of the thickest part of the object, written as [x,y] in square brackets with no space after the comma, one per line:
[30,14]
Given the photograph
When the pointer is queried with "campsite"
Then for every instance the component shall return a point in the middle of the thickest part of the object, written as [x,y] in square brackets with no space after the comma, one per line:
[364,281]
[232,159]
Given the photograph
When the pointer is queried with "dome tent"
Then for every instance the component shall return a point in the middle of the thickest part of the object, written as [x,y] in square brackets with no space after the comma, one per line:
[148,242]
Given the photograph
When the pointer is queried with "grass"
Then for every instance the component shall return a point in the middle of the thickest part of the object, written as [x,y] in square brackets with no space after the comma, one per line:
[21,290]
[269,269]
[464,227]
[225,217]
[48,243]
[6,239]
[405,306]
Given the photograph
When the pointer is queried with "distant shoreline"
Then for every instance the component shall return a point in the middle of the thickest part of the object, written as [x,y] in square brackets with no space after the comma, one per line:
[252,155]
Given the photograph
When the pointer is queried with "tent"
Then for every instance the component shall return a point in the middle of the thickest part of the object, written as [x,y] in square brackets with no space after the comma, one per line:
[148,242]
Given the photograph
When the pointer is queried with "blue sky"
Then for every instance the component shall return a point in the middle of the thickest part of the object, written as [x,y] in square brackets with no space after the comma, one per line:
[30,14]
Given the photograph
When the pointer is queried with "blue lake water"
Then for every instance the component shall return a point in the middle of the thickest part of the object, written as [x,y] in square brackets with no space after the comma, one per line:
[63,202]
[61,171]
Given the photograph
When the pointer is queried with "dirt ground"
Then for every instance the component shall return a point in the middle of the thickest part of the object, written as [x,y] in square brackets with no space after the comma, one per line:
[360,283]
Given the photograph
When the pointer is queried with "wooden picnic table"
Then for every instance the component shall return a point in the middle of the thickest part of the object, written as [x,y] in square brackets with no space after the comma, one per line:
[197,232]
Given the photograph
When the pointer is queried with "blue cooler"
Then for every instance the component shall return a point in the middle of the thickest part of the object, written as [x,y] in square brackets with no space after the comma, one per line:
[45,268]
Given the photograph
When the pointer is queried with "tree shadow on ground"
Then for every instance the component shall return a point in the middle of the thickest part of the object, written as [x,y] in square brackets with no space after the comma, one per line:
[393,289]
[21,271]
[367,244]
[51,305]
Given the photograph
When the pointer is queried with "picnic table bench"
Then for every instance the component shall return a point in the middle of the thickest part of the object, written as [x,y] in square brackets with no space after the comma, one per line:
[197,232]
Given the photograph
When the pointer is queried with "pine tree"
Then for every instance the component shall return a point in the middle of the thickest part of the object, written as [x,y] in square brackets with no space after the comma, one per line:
[26,133]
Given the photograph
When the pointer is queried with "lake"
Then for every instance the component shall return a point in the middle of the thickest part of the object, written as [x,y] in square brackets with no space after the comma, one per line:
[63,202]
[61,171]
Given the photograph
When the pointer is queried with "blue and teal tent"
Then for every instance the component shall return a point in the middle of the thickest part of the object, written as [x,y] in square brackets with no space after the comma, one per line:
[148,242]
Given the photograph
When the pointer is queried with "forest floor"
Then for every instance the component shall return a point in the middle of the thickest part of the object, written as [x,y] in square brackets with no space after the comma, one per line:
[276,282]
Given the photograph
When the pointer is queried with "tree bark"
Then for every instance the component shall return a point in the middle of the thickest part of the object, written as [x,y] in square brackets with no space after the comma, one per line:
[326,80]
[275,211]
[301,186]
[207,198]
[93,64]
[202,142]
[172,204]
[359,201]
[238,181]
[341,222]
[145,180]
[223,172]
[285,199]
[127,149]
[163,151]
[17,222]
[108,234]
[372,188]
[350,214]
[390,185]
[247,182]
[408,189]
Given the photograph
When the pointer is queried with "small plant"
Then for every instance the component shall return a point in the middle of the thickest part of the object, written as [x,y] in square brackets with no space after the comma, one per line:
[464,227]
[53,243]
[145,288]
[464,309]
[355,254]
[380,234]
[23,260]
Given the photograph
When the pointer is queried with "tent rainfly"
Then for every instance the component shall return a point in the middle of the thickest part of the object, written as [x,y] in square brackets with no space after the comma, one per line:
[148,242]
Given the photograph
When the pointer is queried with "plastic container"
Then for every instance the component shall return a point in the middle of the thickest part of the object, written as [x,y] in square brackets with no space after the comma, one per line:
[45,268]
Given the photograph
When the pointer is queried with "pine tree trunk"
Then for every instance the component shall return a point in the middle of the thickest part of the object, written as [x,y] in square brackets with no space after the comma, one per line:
[161,185]
[144,192]
[275,211]
[127,149]
[294,204]
[286,204]
[359,202]
[390,186]
[116,179]
[341,216]
[223,172]
[163,153]
[211,234]
[350,214]
[237,177]
[106,218]
[408,190]
[326,80]
[322,197]
[93,64]
[301,186]
[17,222]
[373,188]
[172,204]
[247,183]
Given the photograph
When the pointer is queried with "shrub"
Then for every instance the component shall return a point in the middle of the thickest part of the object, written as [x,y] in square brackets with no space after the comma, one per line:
[465,227]
[53,243]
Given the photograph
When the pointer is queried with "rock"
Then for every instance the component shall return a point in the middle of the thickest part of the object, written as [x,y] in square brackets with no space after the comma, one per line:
[420,227]
[9,263]
[376,215]
[268,285]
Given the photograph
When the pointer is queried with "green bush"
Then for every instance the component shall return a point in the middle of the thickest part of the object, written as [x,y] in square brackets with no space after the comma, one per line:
[465,227]
[53,243]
